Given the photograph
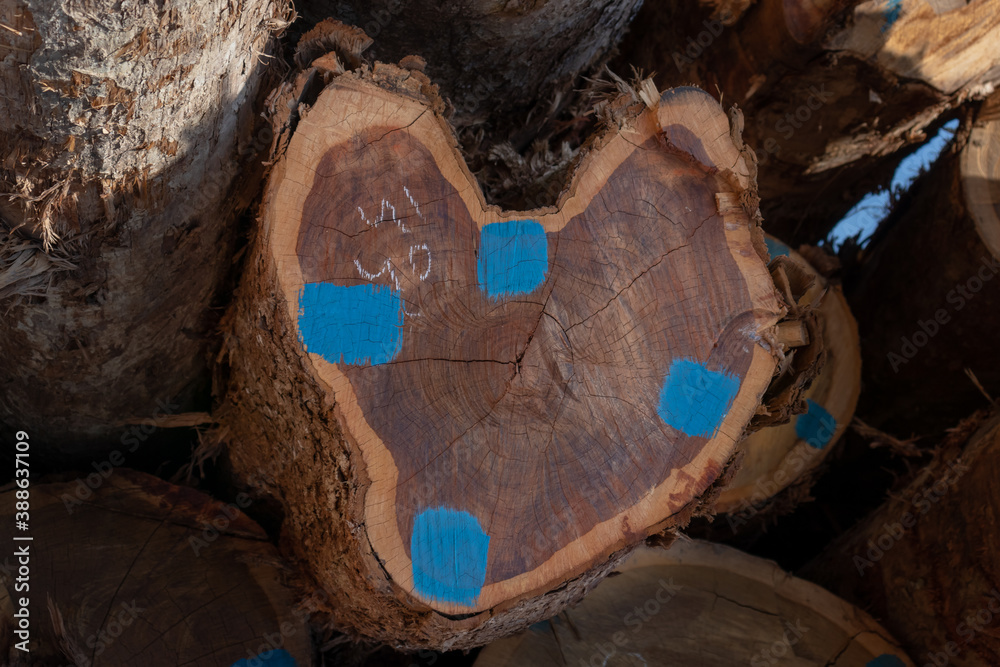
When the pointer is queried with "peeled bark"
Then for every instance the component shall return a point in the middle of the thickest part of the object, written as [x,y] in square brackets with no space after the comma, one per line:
[703,604]
[925,562]
[832,90]
[127,153]
[393,381]
[927,294]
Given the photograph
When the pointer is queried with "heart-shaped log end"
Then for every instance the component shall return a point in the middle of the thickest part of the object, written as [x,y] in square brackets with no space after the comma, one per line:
[503,400]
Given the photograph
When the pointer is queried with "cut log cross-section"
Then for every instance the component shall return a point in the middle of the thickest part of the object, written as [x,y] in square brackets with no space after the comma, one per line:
[784,456]
[517,395]
[136,571]
[703,604]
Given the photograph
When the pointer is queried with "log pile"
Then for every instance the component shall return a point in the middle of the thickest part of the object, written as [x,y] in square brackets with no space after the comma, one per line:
[436,388]
[449,332]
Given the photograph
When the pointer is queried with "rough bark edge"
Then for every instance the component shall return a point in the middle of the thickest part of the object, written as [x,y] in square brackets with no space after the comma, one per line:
[344,604]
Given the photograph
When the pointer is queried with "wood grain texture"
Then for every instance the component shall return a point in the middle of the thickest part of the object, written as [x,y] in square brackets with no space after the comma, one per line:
[778,457]
[517,438]
[702,604]
[836,92]
[927,294]
[925,562]
[132,570]
[124,130]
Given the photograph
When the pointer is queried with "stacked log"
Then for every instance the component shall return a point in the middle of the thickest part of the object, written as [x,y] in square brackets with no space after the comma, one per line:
[136,571]
[704,604]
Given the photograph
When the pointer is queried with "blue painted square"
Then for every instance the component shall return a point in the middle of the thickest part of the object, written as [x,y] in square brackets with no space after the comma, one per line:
[360,324]
[449,551]
[276,658]
[776,248]
[695,400]
[816,426]
[513,257]
[886,660]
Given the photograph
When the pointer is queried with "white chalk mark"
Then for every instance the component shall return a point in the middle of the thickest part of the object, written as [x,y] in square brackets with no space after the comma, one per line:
[413,201]
[413,266]
[366,220]
[399,222]
[370,276]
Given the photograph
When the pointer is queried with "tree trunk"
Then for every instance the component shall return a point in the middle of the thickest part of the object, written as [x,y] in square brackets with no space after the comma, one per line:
[126,129]
[463,431]
[779,462]
[512,65]
[833,90]
[925,562]
[126,569]
[928,293]
[707,605]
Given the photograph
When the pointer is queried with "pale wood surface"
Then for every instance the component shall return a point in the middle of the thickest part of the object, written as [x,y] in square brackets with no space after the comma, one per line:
[699,604]
[135,573]
[776,457]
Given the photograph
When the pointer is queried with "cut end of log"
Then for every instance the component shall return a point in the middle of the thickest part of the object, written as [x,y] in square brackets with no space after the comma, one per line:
[521,394]
[133,570]
[778,457]
[702,604]
[980,173]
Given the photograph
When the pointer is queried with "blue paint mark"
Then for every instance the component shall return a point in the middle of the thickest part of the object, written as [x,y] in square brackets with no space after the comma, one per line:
[694,399]
[816,426]
[277,658]
[891,13]
[361,324]
[513,257]
[449,550]
[776,248]
[886,660]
